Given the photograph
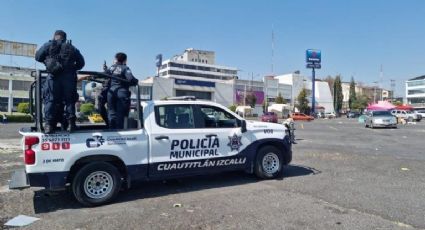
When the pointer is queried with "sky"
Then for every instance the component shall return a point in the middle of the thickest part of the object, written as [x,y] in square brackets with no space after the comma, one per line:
[355,37]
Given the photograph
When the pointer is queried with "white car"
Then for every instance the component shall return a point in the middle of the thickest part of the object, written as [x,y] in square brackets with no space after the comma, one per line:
[420,112]
[171,138]
[330,115]
[405,114]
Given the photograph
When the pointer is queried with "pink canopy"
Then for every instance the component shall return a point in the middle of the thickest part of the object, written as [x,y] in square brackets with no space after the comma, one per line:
[381,105]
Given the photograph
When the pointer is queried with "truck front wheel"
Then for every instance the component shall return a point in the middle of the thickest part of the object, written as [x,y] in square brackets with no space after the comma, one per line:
[96,183]
[269,163]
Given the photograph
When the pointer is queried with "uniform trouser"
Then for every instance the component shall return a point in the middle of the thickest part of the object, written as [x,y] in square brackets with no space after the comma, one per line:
[102,100]
[118,107]
[59,91]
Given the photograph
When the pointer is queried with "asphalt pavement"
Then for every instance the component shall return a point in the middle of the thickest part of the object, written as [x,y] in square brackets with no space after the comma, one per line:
[343,176]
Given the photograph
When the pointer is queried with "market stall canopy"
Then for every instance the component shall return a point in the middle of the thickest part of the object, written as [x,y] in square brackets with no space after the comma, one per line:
[404,107]
[381,105]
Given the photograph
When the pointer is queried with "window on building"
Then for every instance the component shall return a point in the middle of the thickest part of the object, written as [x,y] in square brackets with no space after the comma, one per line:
[415,91]
[206,61]
[4,101]
[175,116]
[4,84]
[21,85]
[416,83]
[419,100]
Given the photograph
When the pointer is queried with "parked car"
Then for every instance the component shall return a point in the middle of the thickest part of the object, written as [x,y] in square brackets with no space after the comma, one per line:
[330,115]
[405,114]
[269,117]
[353,114]
[420,112]
[375,119]
[320,115]
[301,117]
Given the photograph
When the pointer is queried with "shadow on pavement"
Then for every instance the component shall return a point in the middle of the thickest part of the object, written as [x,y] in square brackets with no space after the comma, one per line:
[45,201]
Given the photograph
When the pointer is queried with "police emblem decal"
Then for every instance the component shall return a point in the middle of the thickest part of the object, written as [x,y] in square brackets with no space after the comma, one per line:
[235,142]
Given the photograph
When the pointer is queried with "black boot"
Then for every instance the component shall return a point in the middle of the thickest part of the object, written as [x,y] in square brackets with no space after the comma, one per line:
[48,128]
[64,125]
[71,125]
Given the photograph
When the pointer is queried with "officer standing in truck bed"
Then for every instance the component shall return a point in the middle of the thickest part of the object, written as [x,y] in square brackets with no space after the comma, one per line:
[119,92]
[62,60]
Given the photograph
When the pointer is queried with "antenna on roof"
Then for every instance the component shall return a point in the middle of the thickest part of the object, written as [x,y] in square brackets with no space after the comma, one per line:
[272,50]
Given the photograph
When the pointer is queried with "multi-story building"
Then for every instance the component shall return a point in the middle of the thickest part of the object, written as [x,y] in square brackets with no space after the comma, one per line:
[15,83]
[194,73]
[194,64]
[415,92]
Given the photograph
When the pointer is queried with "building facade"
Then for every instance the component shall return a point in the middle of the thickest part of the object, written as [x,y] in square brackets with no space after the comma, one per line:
[415,92]
[195,73]
[15,83]
[194,64]
[323,94]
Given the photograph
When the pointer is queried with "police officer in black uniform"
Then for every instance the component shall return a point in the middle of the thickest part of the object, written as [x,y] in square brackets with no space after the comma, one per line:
[62,60]
[119,93]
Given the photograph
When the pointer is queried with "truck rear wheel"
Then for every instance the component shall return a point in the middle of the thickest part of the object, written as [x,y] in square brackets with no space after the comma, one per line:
[268,163]
[96,183]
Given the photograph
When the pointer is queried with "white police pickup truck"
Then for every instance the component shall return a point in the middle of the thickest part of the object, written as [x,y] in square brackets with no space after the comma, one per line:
[176,138]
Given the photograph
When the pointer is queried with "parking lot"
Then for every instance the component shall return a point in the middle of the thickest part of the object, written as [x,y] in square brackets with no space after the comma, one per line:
[343,176]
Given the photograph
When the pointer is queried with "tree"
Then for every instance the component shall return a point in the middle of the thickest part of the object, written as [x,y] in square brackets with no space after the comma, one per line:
[87,108]
[303,101]
[23,107]
[280,99]
[397,103]
[250,99]
[352,96]
[232,108]
[361,102]
[338,97]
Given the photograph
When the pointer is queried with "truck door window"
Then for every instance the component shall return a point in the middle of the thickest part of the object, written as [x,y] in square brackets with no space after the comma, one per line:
[174,116]
[214,117]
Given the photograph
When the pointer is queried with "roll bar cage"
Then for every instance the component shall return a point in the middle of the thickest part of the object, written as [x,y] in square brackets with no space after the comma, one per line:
[35,98]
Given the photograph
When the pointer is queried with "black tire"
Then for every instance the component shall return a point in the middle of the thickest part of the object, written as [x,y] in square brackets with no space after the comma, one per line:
[365,125]
[110,176]
[275,167]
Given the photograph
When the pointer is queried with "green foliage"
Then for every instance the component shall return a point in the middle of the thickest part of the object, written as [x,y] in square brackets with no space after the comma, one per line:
[397,103]
[303,101]
[87,108]
[250,99]
[352,97]
[280,99]
[338,97]
[19,118]
[24,107]
[361,102]
[232,108]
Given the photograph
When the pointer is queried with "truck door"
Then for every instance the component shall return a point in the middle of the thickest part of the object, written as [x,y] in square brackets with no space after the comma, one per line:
[193,139]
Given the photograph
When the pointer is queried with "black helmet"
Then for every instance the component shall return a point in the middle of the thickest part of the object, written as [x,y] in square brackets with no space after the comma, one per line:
[60,33]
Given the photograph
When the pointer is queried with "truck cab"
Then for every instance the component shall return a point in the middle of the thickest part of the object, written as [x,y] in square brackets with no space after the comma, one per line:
[167,139]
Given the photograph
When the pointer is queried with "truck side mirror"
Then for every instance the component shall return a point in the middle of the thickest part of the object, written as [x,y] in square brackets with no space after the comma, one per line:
[243,126]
